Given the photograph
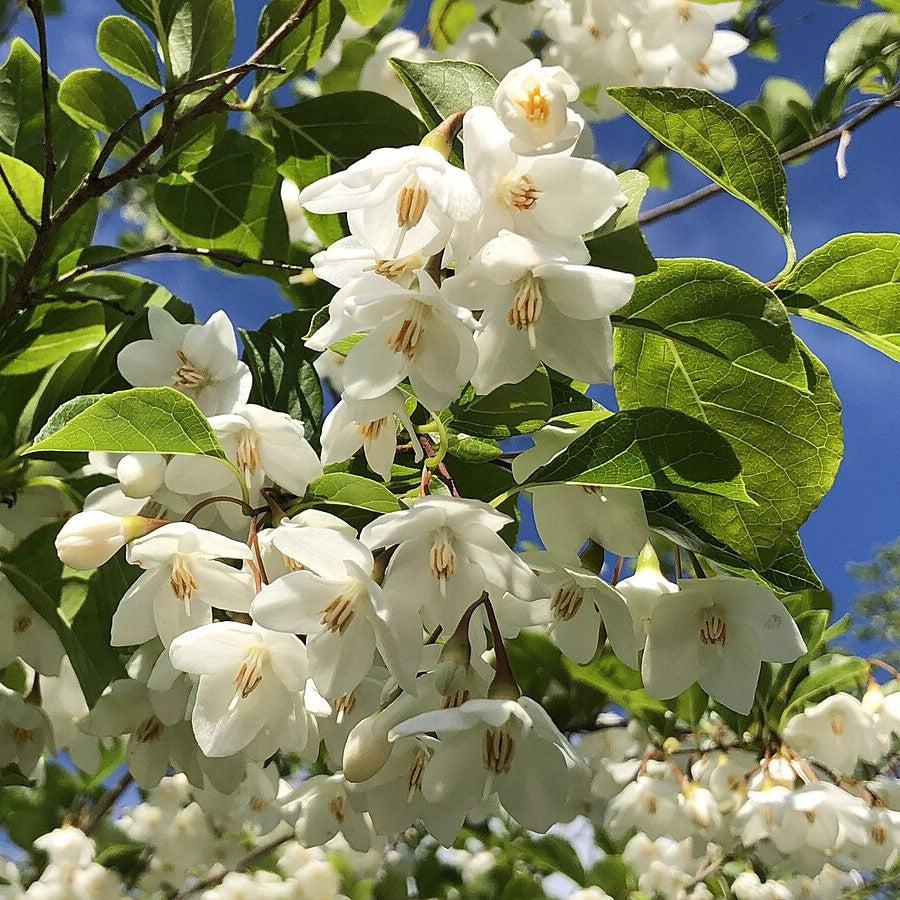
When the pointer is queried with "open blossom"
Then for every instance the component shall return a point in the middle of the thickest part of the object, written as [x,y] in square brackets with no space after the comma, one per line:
[183,580]
[540,305]
[249,678]
[532,102]
[26,634]
[326,810]
[714,71]
[24,731]
[643,592]
[201,361]
[380,76]
[345,613]
[276,544]
[63,701]
[717,631]
[685,26]
[370,425]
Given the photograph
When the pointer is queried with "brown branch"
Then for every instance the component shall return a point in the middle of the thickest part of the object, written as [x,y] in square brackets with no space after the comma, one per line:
[37,10]
[811,146]
[441,468]
[17,200]
[106,803]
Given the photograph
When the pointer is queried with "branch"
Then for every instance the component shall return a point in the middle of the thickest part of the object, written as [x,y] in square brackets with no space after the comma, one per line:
[17,200]
[242,866]
[810,146]
[106,803]
[37,10]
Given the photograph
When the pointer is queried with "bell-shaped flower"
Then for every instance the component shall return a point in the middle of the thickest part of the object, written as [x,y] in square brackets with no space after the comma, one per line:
[539,306]
[688,27]
[490,46]
[575,605]
[643,591]
[25,731]
[566,515]
[26,634]
[508,746]
[649,804]
[201,361]
[543,197]
[409,333]
[63,701]
[398,200]
[183,580]
[370,425]
[532,102]
[248,678]
[821,816]
[346,614]
[346,261]
[885,712]
[261,443]
[717,632]
[254,805]
[837,732]
[881,846]
[380,76]
[278,561]
[326,810]
[449,551]
[714,71]
[348,710]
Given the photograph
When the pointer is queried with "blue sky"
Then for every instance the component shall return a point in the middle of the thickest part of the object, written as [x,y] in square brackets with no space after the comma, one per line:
[862,509]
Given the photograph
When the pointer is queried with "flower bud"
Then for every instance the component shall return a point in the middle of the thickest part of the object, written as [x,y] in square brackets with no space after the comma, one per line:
[141,474]
[367,750]
[90,538]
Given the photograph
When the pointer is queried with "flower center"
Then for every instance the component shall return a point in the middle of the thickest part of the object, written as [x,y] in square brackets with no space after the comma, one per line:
[837,726]
[499,748]
[535,105]
[650,804]
[567,601]
[21,623]
[338,807]
[879,834]
[182,579]
[442,558]
[257,805]
[457,698]
[149,730]
[416,772]
[701,68]
[406,338]
[713,630]
[369,431]
[521,194]
[344,705]
[250,674]
[594,31]
[22,736]
[396,268]
[411,203]
[292,563]
[187,375]
[248,452]
[338,615]
[593,489]
[683,8]
[527,307]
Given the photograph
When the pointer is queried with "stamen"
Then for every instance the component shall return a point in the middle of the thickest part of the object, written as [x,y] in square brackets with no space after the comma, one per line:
[182,579]
[292,563]
[344,705]
[523,193]
[406,338]
[248,452]
[395,268]
[369,431]
[837,726]
[149,730]
[442,558]
[21,623]
[879,834]
[535,105]
[338,808]
[250,674]
[701,67]
[411,203]
[187,375]
[499,748]
[593,489]
[683,8]
[257,805]
[339,613]
[527,307]
[414,782]
[21,736]
[714,630]
[567,601]
[457,698]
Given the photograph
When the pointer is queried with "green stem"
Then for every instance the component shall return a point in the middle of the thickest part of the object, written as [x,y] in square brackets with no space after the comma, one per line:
[443,440]
[791,259]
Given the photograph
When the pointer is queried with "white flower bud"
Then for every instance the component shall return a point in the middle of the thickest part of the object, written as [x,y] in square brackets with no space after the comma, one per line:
[90,538]
[366,751]
[141,474]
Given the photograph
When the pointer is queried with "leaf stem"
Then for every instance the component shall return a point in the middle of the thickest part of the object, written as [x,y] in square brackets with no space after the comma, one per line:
[17,200]
[106,803]
[37,10]
[209,501]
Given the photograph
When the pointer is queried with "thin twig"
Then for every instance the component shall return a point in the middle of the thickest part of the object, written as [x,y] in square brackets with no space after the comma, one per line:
[810,146]
[441,468]
[106,803]
[37,10]
[17,200]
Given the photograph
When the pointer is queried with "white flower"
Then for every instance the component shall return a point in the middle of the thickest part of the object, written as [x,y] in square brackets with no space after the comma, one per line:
[539,306]
[24,731]
[261,443]
[836,732]
[648,804]
[28,509]
[370,424]
[822,816]
[399,201]
[762,817]
[326,810]
[714,71]
[25,634]
[747,886]
[829,884]
[544,197]
[449,552]
[379,75]
[89,539]
[139,474]
[566,515]
[344,612]
[347,260]
[575,605]
[299,229]
[254,804]
[532,102]
[497,50]
[881,847]
[643,591]
[201,361]
[278,561]
[885,712]
[63,701]
[508,746]
[688,27]
[414,333]
[717,631]
[182,581]
[250,679]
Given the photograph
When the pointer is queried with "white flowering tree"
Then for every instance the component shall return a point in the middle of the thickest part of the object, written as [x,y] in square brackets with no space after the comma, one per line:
[274,617]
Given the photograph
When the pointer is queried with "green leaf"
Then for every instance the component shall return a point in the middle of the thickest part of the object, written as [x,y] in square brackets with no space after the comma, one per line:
[862,45]
[201,37]
[355,499]
[12,775]
[16,234]
[735,367]
[718,139]
[366,12]
[471,449]
[122,44]
[304,46]
[48,333]
[155,14]
[142,420]
[343,127]
[447,19]
[852,284]
[619,243]
[345,75]
[231,202]
[444,87]
[651,449]
[787,106]
[98,100]
[833,673]
[509,410]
